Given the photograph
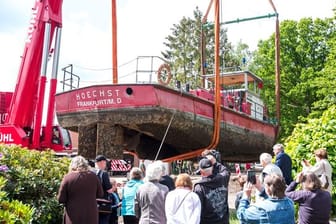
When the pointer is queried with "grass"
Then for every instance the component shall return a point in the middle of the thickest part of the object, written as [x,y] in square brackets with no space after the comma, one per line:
[233,217]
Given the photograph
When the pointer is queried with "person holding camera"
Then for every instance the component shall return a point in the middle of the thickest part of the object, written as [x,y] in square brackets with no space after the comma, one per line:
[276,208]
[314,203]
[212,191]
[321,167]
[218,167]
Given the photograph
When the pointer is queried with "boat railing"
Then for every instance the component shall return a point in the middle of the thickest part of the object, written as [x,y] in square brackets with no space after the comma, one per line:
[240,100]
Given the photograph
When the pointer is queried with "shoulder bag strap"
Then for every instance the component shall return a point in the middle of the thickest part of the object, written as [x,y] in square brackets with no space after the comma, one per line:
[325,173]
[181,202]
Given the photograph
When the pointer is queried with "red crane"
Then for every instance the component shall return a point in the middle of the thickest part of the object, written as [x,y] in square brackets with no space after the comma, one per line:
[23,125]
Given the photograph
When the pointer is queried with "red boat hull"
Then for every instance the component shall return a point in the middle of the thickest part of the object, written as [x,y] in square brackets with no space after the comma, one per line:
[136,117]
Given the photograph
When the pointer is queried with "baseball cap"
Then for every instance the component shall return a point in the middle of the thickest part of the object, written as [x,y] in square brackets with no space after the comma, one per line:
[100,158]
[205,163]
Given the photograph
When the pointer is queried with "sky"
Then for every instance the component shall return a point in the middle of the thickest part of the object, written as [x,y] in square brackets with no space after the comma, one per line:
[142,28]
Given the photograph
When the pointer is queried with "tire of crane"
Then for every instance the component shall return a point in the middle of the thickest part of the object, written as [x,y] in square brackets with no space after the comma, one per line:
[161,80]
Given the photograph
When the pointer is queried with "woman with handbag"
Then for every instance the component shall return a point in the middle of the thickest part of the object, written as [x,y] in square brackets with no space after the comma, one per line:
[182,204]
[322,168]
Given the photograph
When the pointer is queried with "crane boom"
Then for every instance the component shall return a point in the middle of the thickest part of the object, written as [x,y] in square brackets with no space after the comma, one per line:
[23,125]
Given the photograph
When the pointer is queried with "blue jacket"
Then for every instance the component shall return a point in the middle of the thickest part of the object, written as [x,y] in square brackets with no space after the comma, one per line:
[128,195]
[284,162]
[268,211]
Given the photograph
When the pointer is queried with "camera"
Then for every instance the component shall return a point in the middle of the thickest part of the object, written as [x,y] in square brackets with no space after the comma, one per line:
[251,176]
[216,154]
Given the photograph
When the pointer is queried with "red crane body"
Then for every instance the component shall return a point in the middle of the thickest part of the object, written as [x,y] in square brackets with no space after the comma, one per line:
[23,125]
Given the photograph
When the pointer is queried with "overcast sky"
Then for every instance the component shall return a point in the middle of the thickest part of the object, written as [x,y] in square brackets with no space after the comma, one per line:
[142,28]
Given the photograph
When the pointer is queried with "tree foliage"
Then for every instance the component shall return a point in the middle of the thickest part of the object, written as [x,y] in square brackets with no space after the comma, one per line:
[183,49]
[305,49]
[33,178]
[307,137]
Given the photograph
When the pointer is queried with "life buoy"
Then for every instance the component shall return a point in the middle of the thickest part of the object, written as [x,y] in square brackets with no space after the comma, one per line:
[164,75]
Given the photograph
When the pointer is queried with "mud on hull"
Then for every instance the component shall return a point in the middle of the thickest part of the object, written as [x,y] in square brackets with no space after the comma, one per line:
[140,120]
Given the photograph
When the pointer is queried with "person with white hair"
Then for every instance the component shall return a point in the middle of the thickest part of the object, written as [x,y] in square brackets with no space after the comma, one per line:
[268,166]
[283,161]
[78,192]
[149,202]
[165,178]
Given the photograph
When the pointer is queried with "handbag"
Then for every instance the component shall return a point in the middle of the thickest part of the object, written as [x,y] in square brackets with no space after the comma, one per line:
[104,206]
[324,179]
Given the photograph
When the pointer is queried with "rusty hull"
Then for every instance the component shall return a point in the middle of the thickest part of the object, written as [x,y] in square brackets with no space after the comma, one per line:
[141,119]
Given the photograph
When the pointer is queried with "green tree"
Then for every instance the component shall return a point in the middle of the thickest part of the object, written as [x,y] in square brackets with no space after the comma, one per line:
[184,49]
[307,137]
[305,48]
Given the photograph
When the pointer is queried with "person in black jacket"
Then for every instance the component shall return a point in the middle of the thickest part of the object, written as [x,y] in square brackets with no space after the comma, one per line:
[218,167]
[212,190]
[284,162]
[104,178]
[166,179]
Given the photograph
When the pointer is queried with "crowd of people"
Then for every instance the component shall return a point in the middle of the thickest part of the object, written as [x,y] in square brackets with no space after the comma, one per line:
[152,196]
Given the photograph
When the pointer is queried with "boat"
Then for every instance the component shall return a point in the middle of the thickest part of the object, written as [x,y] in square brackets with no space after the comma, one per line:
[157,121]
[160,120]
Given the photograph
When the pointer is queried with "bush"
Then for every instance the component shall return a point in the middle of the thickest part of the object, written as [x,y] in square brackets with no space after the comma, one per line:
[306,138]
[33,177]
[13,211]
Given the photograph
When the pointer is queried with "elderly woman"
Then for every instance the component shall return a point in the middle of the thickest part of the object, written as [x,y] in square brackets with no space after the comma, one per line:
[182,205]
[314,203]
[322,166]
[150,198]
[276,208]
[78,192]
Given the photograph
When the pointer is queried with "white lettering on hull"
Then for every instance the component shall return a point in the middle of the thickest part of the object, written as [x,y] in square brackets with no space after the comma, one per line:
[93,98]
[91,94]
[99,102]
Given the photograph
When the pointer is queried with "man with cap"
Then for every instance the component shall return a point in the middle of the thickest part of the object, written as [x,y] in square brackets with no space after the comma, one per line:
[218,168]
[212,190]
[100,164]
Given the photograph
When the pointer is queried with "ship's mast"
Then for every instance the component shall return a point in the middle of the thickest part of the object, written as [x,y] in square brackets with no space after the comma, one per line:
[114,43]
